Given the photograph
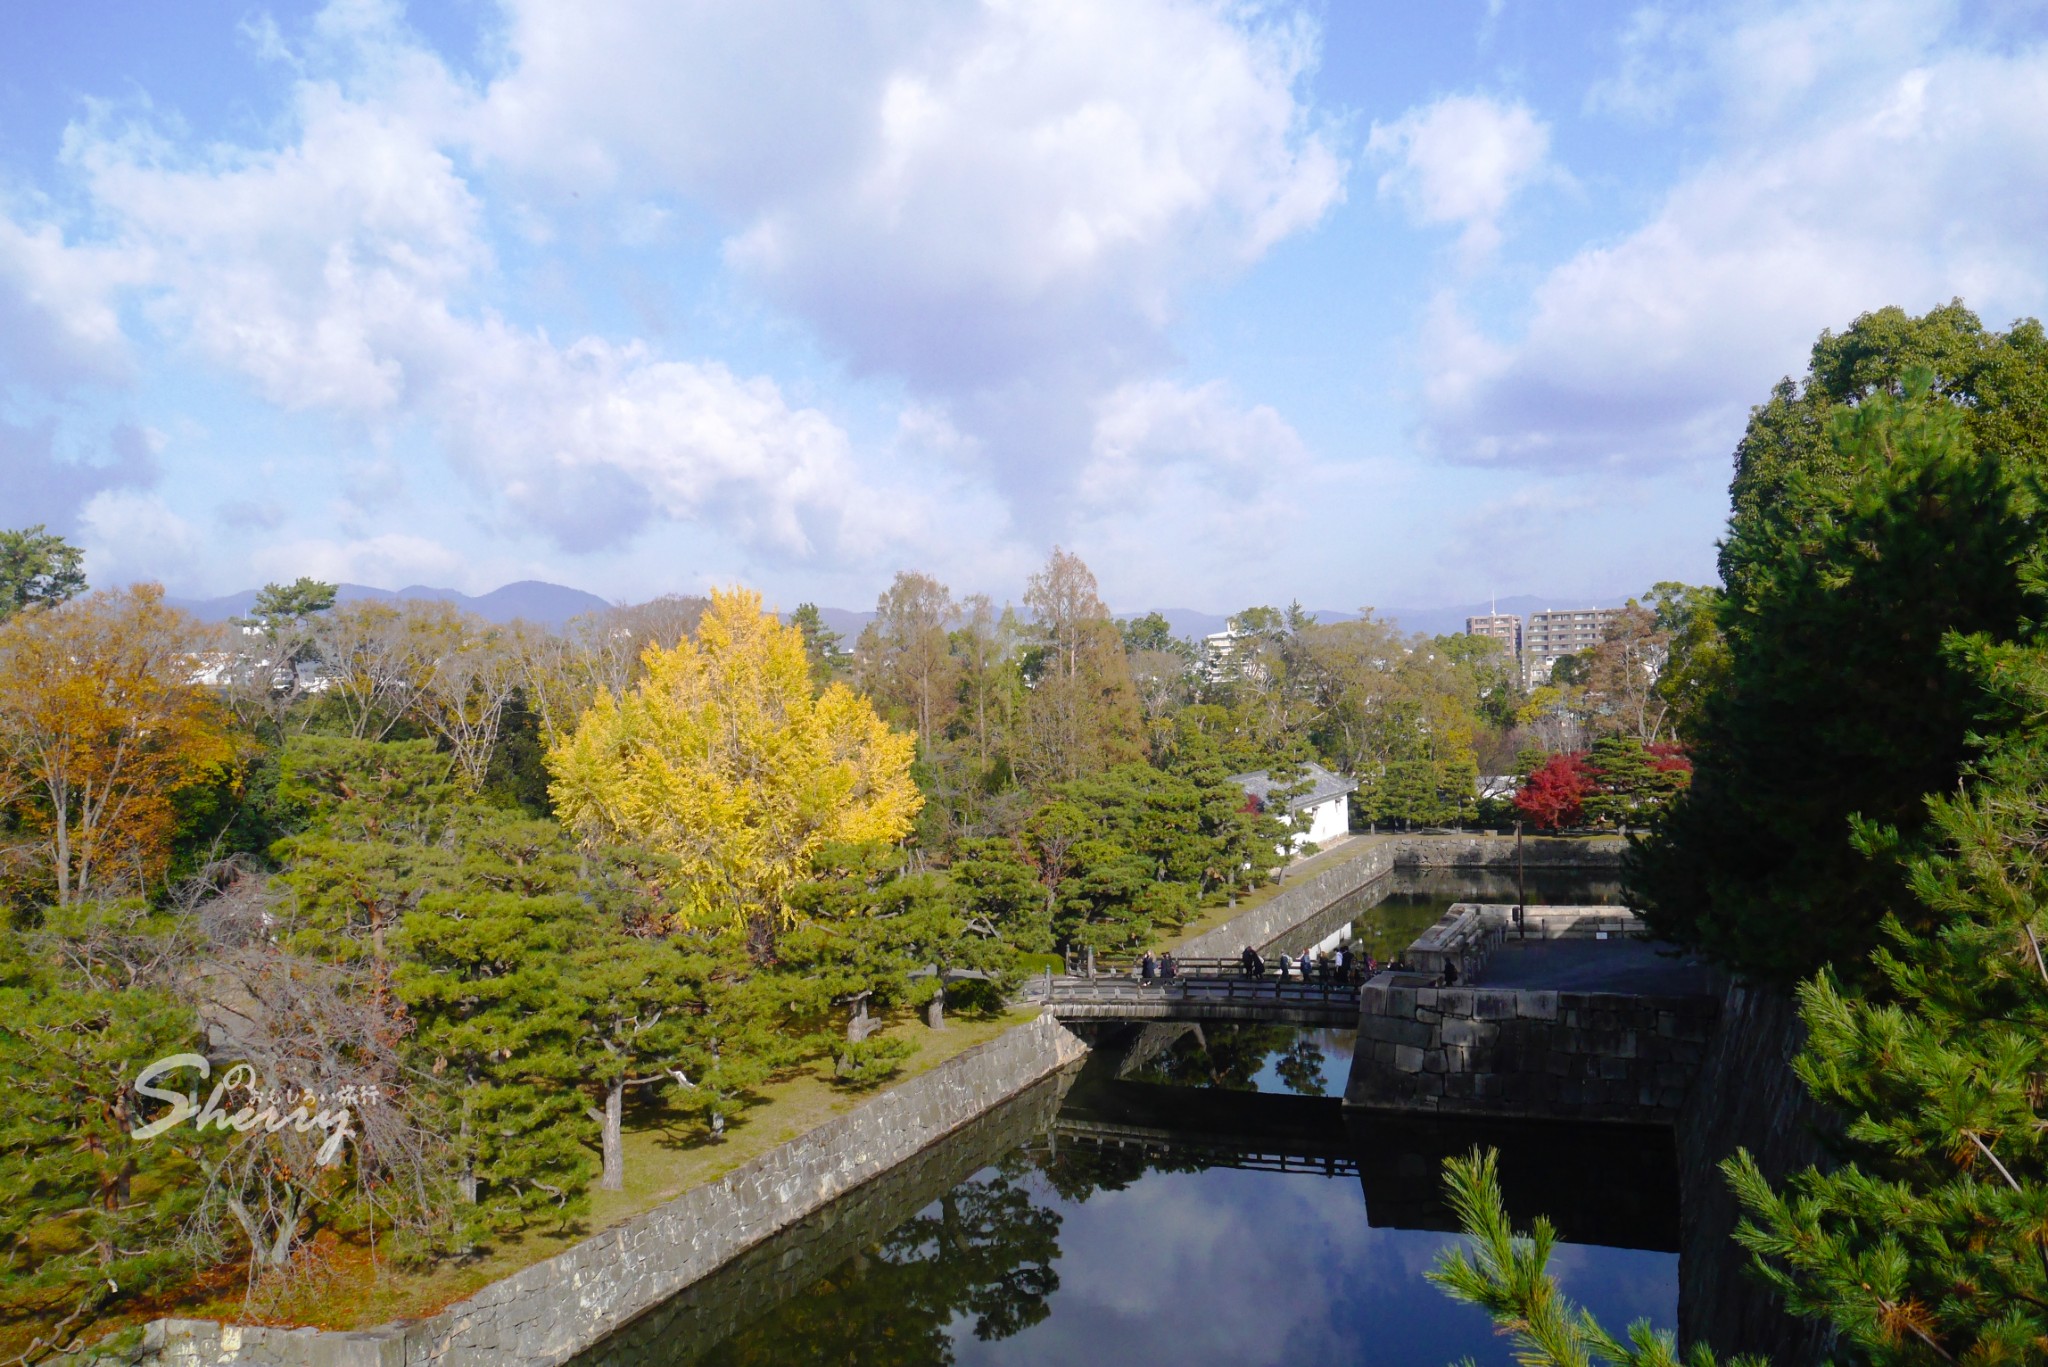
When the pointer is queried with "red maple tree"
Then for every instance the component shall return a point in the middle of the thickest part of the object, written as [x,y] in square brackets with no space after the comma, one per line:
[1554,795]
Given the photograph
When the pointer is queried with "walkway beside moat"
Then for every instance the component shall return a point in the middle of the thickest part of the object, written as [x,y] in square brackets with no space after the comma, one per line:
[1641,967]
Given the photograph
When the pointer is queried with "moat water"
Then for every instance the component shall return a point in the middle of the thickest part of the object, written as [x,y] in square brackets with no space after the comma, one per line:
[1191,1197]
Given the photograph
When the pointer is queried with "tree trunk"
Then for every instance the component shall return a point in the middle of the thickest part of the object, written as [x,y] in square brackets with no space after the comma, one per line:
[761,938]
[614,1178]
[935,1010]
[61,811]
[465,1185]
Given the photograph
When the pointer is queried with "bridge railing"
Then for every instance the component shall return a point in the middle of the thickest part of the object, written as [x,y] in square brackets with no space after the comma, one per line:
[1216,988]
[1205,969]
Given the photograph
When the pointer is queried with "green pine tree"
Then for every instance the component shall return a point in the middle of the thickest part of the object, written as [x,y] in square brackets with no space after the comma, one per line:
[92,1216]
[482,979]
[1838,696]
[1931,1244]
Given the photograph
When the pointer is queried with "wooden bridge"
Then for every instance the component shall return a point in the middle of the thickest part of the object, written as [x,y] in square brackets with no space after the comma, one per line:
[1202,990]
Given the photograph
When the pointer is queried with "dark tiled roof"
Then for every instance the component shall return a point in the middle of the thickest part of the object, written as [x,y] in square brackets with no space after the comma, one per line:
[1323,785]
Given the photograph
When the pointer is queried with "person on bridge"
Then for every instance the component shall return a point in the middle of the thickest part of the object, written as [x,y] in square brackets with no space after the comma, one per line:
[1286,966]
[1254,966]
[1168,969]
[1147,967]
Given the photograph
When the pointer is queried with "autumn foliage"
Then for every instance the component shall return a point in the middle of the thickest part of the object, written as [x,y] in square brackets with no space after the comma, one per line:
[102,722]
[1620,780]
[1555,794]
[723,759]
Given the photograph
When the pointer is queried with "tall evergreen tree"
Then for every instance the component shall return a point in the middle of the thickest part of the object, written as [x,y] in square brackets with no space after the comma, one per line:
[1837,696]
[38,568]
[1930,1245]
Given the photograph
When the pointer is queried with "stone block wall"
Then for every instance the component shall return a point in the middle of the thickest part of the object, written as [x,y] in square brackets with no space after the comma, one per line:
[1747,1097]
[1304,896]
[552,1311]
[689,1326]
[1469,932]
[1524,1053]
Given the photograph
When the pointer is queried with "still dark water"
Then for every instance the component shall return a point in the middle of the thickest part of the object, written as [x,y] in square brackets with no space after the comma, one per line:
[1189,1197]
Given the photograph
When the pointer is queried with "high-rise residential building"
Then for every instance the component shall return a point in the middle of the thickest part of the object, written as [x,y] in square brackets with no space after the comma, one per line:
[1553,635]
[1501,626]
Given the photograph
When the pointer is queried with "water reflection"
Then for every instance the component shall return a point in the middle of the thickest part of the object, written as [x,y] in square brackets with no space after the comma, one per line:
[1192,1196]
[1244,1058]
[977,1263]
[1128,1221]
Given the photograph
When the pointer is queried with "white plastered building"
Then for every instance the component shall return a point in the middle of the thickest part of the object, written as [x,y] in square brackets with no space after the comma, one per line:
[1321,812]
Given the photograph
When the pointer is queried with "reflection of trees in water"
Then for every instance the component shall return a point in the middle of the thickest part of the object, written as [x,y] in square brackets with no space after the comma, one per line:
[1230,1056]
[1076,1172]
[1301,1066]
[984,1249]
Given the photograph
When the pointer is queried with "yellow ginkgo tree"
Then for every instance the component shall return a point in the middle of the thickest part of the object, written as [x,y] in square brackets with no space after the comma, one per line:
[725,758]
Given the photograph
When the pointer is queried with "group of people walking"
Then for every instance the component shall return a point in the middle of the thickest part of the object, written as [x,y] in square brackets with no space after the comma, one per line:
[1161,969]
[1333,968]
[1341,967]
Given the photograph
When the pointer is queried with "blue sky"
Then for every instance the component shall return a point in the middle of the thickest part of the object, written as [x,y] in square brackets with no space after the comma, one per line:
[1357,304]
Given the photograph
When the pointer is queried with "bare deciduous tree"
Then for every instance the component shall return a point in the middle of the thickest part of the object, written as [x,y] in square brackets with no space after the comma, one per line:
[562,672]
[1621,675]
[463,671]
[305,1028]
[363,653]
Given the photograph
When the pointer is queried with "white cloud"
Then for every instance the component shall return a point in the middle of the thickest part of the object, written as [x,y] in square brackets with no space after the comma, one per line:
[1648,350]
[1758,62]
[395,559]
[305,267]
[1145,429]
[1459,161]
[1190,468]
[998,204]
[346,271]
[128,535]
[59,324]
[952,194]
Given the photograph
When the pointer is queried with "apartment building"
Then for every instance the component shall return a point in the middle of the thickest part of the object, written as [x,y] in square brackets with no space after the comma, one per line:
[1553,635]
[1501,626]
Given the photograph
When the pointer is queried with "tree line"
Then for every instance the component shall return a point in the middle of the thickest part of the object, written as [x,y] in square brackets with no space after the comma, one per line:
[522,883]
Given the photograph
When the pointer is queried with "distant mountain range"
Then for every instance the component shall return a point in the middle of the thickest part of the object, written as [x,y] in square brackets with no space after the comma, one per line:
[553,604]
[528,600]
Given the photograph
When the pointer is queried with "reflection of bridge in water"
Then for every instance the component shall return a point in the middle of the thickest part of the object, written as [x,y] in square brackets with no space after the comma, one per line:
[1606,1184]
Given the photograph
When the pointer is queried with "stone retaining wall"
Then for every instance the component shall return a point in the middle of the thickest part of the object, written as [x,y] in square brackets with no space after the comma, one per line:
[1524,1053]
[551,1311]
[779,1269]
[1747,1097]
[1469,932]
[1304,896]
